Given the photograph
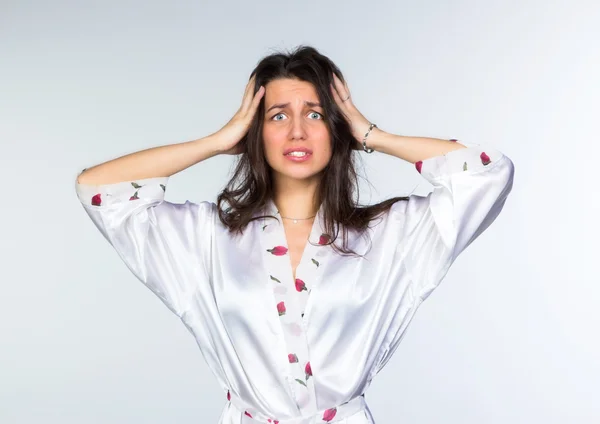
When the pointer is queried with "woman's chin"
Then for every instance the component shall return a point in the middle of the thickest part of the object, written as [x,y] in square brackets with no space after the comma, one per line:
[298,174]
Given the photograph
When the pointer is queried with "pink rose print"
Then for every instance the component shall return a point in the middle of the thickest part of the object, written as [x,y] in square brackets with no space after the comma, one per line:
[247,413]
[308,370]
[324,239]
[418,165]
[278,250]
[273,421]
[300,285]
[329,414]
[281,308]
[96,200]
[228,395]
[292,358]
[485,159]
[137,187]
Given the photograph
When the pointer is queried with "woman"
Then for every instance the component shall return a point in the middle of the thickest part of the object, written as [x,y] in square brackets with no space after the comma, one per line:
[294,324]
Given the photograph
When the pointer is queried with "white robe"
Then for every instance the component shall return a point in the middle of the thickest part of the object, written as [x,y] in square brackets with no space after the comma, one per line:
[304,351]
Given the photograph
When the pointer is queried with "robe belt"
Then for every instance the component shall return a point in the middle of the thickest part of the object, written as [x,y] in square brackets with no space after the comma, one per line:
[329,415]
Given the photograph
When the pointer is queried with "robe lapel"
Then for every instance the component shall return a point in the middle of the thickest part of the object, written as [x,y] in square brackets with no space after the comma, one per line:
[291,299]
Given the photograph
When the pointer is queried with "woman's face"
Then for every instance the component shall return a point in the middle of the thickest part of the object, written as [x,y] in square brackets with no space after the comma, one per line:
[290,123]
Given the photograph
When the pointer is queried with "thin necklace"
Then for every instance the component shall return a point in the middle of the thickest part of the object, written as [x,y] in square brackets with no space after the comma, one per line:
[295,220]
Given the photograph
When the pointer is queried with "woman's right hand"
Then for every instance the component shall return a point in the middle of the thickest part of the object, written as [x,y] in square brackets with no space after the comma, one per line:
[229,136]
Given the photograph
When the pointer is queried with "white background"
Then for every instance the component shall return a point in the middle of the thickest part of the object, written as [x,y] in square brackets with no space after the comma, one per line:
[511,334]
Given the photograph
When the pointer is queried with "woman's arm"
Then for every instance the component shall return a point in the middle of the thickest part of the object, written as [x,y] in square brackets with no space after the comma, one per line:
[161,242]
[411,149]
[162,161]
[470,182]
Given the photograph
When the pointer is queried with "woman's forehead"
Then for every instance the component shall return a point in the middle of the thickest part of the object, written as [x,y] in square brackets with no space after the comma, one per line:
[288,87]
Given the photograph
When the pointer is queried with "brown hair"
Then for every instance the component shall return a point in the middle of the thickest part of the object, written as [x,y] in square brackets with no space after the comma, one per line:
[252,186]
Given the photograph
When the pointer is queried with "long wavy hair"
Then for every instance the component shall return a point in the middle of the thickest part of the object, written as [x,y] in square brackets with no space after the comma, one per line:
[251,185]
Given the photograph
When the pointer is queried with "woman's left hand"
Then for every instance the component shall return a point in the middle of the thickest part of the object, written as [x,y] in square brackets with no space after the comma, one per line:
[359,124]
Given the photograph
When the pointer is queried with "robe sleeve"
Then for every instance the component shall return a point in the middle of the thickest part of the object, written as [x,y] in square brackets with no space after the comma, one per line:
[470,187]
[165,245]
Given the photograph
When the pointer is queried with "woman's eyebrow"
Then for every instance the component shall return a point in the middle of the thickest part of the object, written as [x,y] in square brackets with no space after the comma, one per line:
[283,105]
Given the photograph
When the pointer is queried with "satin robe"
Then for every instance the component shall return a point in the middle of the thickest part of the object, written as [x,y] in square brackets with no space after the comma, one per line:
[300,351]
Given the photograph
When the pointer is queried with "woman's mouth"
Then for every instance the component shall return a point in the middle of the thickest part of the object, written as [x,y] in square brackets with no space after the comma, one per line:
[298,156]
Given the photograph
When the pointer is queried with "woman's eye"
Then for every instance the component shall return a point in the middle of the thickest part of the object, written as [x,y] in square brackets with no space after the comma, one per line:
[313,113]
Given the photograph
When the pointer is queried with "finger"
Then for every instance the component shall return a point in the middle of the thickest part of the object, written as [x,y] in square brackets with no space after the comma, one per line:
[346,87]
[341,89]
[344,83]
[249,85]
[336,96]
[259,95]
[341,104]
[248,96]
[250,111]
[334,83]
